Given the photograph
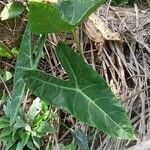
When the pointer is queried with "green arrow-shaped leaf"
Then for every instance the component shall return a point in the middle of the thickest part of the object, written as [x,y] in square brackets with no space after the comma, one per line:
[85,95]
[60,17]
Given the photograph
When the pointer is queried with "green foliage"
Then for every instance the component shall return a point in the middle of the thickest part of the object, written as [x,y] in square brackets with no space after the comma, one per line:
[24,61]
[85,95]
[26,132]
[64,16]
[6,52]
[4,123]
[6,75]
[12,10]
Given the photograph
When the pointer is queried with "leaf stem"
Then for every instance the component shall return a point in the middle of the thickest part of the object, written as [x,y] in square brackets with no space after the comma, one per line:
[77,43]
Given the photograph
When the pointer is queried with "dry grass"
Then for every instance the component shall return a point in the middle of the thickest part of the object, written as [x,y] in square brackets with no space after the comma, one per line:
[128,66]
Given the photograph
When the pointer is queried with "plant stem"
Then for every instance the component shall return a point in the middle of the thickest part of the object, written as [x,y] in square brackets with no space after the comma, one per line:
[77,43]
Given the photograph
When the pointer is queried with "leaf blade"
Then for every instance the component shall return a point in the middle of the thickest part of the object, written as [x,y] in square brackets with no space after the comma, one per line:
[61,17]
[24,62]
[85,95]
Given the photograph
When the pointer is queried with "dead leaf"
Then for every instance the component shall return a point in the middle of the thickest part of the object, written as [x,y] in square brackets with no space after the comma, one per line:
[106,32]
[94,34]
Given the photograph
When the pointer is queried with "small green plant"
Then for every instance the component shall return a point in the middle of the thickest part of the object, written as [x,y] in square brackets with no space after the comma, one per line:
[29,129]
[7,53]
